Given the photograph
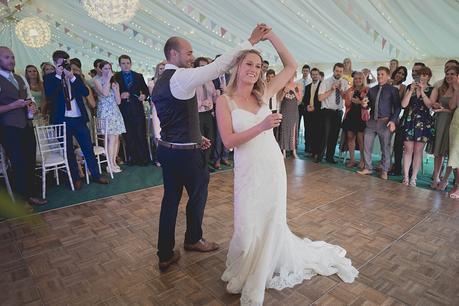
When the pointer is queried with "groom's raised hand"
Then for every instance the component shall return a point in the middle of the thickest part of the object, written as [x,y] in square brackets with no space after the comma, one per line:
[258,33]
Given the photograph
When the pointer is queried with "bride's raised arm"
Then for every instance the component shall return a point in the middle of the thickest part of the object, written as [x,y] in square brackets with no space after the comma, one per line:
[288,61]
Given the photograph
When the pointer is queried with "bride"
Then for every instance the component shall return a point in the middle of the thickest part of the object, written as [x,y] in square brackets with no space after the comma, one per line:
[263,252]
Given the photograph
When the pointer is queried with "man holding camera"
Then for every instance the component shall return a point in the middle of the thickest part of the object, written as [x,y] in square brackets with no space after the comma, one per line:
[65,92]
[16,130]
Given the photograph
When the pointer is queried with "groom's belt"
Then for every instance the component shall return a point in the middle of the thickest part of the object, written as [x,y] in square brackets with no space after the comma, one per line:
[179,146]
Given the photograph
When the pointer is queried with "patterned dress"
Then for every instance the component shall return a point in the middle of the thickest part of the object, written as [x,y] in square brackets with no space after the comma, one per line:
[290,115]
[418,125]
[108,109]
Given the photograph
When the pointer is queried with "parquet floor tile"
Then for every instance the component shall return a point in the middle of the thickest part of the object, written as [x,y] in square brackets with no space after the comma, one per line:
[404,241]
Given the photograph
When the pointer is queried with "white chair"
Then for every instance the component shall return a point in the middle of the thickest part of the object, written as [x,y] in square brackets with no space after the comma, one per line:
[40,120]
[101,136]
[4,173]
[52,147]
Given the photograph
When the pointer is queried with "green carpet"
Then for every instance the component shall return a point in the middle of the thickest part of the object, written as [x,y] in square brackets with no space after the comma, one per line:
[136,178]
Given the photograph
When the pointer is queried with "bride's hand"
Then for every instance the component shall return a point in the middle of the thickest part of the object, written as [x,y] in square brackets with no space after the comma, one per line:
[268,35]
[271,121]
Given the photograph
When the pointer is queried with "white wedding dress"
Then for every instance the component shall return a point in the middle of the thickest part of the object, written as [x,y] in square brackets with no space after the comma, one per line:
[263,252]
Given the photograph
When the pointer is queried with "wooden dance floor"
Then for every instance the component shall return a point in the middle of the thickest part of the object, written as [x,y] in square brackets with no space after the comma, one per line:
[403,240]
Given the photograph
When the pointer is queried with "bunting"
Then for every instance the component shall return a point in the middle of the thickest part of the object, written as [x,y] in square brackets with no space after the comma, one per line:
[222,31]
[383,43]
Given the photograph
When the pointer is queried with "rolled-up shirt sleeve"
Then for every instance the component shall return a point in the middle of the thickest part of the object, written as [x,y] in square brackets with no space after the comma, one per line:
[185,80]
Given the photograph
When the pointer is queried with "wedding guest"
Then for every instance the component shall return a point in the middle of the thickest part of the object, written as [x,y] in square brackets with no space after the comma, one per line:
[65,91]
[384,102]
[289,98]
[353,124]
[16,130]
[369,77]
[453,160]
[264,68]
[36,87]
[418,124]
[156,125]
[302,83]
[393,65]
[108,93]
[347,72]
[206,94]
[47,68]
[331,92]
[313,121]
[440,98]
[398,77]
[134,92]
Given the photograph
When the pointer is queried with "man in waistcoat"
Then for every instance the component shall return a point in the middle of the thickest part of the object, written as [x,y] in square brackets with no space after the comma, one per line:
[16,130]
[180,149]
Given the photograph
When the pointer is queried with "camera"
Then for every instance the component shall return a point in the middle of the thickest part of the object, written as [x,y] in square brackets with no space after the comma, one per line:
[66,65]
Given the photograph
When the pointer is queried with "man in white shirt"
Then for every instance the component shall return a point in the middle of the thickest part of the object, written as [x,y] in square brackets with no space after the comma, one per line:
[181,144]
[331,92]
[302,83]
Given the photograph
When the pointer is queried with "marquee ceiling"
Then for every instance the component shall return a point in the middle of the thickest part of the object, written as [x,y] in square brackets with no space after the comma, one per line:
[315,31]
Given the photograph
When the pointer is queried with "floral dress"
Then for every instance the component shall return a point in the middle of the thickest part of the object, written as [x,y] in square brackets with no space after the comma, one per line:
[418,124]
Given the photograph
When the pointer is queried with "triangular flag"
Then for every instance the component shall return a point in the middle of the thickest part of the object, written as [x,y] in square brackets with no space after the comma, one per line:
[66,30]
[189,9]
[18,7]
[68,48]
[39,11]
[201,18]
[391,47]
[125,27]
[57,24]
[93,45]
[109,54]
[383,43]
[223,31]
[397,53]
[367,26]
[48,17]
[135,32]
[212,25]
[60,45]
[375,35]
[101,50]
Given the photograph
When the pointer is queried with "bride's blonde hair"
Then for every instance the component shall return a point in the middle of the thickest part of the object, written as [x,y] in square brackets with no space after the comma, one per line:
[258,89]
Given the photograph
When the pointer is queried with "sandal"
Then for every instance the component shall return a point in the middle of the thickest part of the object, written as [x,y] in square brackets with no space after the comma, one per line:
[442,185]
[434,185]
[413,182]
[406,181]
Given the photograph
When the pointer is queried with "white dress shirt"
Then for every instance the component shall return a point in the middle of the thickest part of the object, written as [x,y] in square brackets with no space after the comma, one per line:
[330,102]
[206,95]
[184,82]
[74,112]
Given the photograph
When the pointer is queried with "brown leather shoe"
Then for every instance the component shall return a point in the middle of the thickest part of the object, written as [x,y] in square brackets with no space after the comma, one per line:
[36,201]
[202,246]
[102,180]
[164,265]
[77,185]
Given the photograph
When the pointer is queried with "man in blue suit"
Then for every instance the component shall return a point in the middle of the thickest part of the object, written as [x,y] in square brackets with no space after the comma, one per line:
[64,92]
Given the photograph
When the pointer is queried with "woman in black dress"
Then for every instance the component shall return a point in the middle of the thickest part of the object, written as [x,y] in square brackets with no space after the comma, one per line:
[353,125]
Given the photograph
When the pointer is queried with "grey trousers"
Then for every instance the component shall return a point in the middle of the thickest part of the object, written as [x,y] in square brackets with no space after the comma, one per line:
[379,128]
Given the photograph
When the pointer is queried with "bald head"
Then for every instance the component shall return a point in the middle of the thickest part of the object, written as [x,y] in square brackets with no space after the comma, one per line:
[178,51]
[7,61]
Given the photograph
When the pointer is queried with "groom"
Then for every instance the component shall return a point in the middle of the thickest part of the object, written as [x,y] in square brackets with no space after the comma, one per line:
[180,149]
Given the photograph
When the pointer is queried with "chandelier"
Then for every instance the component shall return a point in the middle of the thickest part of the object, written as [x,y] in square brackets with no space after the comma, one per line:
[111,11]
[33,32]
